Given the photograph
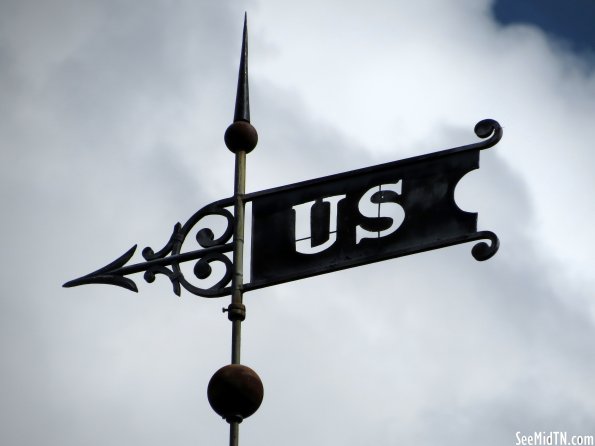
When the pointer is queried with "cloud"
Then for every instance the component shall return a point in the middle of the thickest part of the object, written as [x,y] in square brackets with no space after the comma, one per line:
[113,117]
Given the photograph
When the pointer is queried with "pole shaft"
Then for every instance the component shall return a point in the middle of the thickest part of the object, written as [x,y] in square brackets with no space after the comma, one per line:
[238,252]
[240,138]
[234,433]
[238,274]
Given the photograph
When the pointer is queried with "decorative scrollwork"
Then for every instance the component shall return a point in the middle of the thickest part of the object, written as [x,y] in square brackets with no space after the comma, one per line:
[482,251]
[203,269]
[173,276]
[176,236]
[206,239]
[485,128]
[213,250]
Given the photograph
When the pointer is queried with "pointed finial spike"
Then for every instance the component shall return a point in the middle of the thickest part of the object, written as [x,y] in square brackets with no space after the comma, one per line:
[242,110]
[241,136]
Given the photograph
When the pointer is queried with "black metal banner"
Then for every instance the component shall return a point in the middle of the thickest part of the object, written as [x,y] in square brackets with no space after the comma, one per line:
[366,215]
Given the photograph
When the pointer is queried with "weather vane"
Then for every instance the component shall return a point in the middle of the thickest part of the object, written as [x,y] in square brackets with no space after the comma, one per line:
[306,229]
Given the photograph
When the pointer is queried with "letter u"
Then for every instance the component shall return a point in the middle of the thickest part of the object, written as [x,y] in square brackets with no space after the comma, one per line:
[316,224]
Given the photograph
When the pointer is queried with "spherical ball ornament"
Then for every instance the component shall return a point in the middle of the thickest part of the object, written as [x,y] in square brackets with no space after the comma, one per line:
[241,136]
[235,392]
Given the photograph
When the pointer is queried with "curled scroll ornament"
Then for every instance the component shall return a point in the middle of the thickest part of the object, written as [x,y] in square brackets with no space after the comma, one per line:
[213,251]
[492,130]
[483,251]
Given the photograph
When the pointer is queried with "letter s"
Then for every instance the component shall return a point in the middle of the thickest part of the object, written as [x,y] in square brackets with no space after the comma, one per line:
[383,196]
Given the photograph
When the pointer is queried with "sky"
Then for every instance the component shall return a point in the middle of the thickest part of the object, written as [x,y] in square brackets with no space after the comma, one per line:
[113,116]
[571,24]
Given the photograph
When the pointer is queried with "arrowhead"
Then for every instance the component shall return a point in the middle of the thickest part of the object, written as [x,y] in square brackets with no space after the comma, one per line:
[108,274]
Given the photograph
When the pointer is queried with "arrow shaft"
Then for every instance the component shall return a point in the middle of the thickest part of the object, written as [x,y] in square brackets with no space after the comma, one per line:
[170,260]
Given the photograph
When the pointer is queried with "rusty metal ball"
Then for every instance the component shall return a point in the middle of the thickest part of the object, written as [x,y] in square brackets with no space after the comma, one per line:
[235,392]
[241,136]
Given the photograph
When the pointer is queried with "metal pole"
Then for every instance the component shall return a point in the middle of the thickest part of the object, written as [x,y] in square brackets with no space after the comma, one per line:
[237,310]
[234,433]
[240,137]
[238,255]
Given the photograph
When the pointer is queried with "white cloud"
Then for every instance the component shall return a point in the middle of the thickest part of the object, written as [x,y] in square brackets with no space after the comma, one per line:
[113,117]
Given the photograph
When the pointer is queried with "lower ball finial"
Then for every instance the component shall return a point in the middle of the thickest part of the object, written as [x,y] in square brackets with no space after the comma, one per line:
[235,392]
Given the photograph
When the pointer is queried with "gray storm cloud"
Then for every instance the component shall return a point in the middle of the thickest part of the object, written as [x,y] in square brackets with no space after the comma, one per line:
[112,123]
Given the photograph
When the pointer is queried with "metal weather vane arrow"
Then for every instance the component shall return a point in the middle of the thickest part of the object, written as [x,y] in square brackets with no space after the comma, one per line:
[431,220]
[212,249]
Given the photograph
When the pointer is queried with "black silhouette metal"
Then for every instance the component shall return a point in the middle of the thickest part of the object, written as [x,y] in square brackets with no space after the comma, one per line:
[431,217]
[432,220]
[213,249]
